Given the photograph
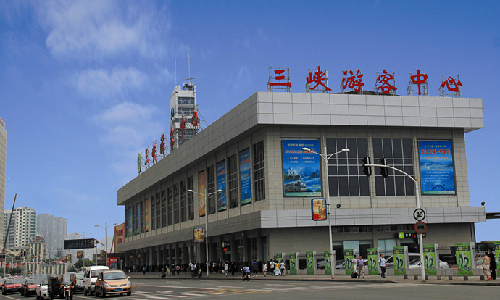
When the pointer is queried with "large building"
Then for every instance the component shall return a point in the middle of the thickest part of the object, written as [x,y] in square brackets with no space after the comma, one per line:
[3,168]
[53,230]
[22,227]
[254,155]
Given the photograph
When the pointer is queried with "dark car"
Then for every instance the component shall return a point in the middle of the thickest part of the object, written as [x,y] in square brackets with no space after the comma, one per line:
[28,287]
[11,285]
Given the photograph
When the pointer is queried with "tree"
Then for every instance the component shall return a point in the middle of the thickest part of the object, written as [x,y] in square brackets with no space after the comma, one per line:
[83,263]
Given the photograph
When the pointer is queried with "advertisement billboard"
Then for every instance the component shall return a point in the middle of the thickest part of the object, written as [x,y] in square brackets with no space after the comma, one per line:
[79,254]
[146,214]
[430,259]
[221,185]
[119,231]
[245,177]
[301,170]
[328,266]
[310,262]
[318,206]
[130,221]
[348,261]
[497,255]
[464,258]
[436,168]
[201,195]
[79,244]
[293,263]
[399,258]
[199,235]
[372,261]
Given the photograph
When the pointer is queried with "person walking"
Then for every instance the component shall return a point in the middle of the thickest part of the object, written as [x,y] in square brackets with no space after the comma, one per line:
[382,264]
[255,268]
[361,267]
[493,264]
[264,268]
[226,268]
[282,268]
[143,270]
[486,266]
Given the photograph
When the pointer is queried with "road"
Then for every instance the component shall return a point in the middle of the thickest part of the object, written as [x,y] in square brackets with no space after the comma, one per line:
[158,289]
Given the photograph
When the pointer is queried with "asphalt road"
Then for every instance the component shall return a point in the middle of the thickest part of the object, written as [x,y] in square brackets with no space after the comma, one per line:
[144,289]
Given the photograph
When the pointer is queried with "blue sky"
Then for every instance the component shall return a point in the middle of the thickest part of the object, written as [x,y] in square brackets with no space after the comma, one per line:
[85,85]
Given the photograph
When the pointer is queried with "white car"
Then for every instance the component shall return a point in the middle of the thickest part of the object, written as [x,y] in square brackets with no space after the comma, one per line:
[415,264]
[42,290]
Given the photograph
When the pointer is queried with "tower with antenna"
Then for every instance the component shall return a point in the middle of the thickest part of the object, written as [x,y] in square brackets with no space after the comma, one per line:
[184,118]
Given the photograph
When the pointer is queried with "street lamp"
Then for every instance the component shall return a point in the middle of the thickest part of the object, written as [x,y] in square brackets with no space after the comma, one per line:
[326,157]
[206,219]
[106,226]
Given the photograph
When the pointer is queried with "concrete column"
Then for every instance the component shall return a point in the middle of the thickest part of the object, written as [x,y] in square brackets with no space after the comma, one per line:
[150,257]
[246,251]
[234,248]
[260,255]
[158,262]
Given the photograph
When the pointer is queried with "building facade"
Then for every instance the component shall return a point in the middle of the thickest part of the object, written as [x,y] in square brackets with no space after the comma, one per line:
[249,174]
[3,169]
[53,230]
[22,227]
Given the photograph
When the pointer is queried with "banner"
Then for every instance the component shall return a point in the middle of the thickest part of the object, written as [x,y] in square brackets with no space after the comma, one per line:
[112,262]
[430,260]
[199,235]
[293,263]
[79,254]
[119,234]
[464,258]
[328,266]
[399,258]
[497,255]
[318,207]
[245,177]
[221,185]
[310,262]
[201,190]
[138,228]
[130,221]
[348,261]
[301,170]
[372,261]
[278,257]
[436,167]
[146,214]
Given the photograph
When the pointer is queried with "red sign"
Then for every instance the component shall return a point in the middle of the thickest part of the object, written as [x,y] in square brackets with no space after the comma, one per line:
[319,77]
[419,79]
[451,84]
[147,157]
[353,81]
[280,76]
[383,83]
[162,144]
[153,154]
[420,227]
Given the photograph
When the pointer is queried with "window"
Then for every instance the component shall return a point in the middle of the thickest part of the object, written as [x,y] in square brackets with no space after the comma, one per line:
[399,154]
[258,171]
[153,213]
[183,201]
[158,211]
[185,111]
[163,209]
[345,170]
[233,181]
[185,100]
[134,219]
[176,204]
[211,189]
[169,206]
[143,204]
[190,199]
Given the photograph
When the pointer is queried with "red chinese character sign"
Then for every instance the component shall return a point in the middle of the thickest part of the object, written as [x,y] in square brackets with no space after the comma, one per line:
[386,83]
[317,81]
[279,78]
[419,79]
[450,87]
[351,80]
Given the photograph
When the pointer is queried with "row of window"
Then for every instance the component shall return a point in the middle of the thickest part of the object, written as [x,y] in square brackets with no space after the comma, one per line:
[175,204]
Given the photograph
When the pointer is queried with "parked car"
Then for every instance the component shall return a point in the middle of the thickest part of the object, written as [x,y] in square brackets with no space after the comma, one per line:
[415,264]
[113,282]
[11,285]
[28,287]
[79,282]
[42,289]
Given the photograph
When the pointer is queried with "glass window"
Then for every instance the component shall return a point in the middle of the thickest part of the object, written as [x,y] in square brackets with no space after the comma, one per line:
[258,171]
[163,209]
[398,153]
[153,213]
[169,206]
[211,189]
[233,181]
[185,100]
[190,197]
[176,204]
[158,211]
[183,201]
[345,170]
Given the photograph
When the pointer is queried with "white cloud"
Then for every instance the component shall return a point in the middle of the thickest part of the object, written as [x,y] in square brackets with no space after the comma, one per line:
[102,29]
[104,84]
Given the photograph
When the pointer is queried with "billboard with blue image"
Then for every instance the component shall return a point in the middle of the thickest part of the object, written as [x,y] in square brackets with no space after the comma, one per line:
[245,177]
[221,185]
[436,168]
[301,169]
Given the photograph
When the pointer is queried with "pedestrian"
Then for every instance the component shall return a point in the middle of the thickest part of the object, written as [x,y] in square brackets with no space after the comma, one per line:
[173,269]
[143,270]
[246,273]
[382,264]
[271,266]
[163,274]
[226,268]
[282,268]
[233,268]
[486,266]
[255,268]
[493,264]
[178,269]
[193,269]
[264,268]
[361,267]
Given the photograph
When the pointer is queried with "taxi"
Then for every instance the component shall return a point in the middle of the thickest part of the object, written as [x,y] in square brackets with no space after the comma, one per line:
[113,282]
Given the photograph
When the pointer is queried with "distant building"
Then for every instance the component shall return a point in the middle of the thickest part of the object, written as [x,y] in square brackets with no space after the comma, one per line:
[36,255]
[53,230]
[22,227]
[3,164]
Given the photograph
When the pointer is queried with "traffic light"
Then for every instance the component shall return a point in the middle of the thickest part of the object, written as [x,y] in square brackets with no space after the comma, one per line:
[366,169]
[383,170]
[415,238]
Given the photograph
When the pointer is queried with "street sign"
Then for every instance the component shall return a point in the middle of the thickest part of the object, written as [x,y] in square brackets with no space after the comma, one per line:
[79,244]
[407,235]
[419,214]
[420,227]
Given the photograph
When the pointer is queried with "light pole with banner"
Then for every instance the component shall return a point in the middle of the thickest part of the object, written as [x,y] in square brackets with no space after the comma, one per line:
[419,213]
[205,195]
[106,226]
[326,194]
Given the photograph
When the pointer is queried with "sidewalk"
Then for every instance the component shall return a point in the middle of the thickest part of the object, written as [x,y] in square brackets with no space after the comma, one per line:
[456,280]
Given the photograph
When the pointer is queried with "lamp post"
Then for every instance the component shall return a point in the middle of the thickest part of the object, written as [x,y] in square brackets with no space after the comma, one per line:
[325,158]
[205,196]
[106,226]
